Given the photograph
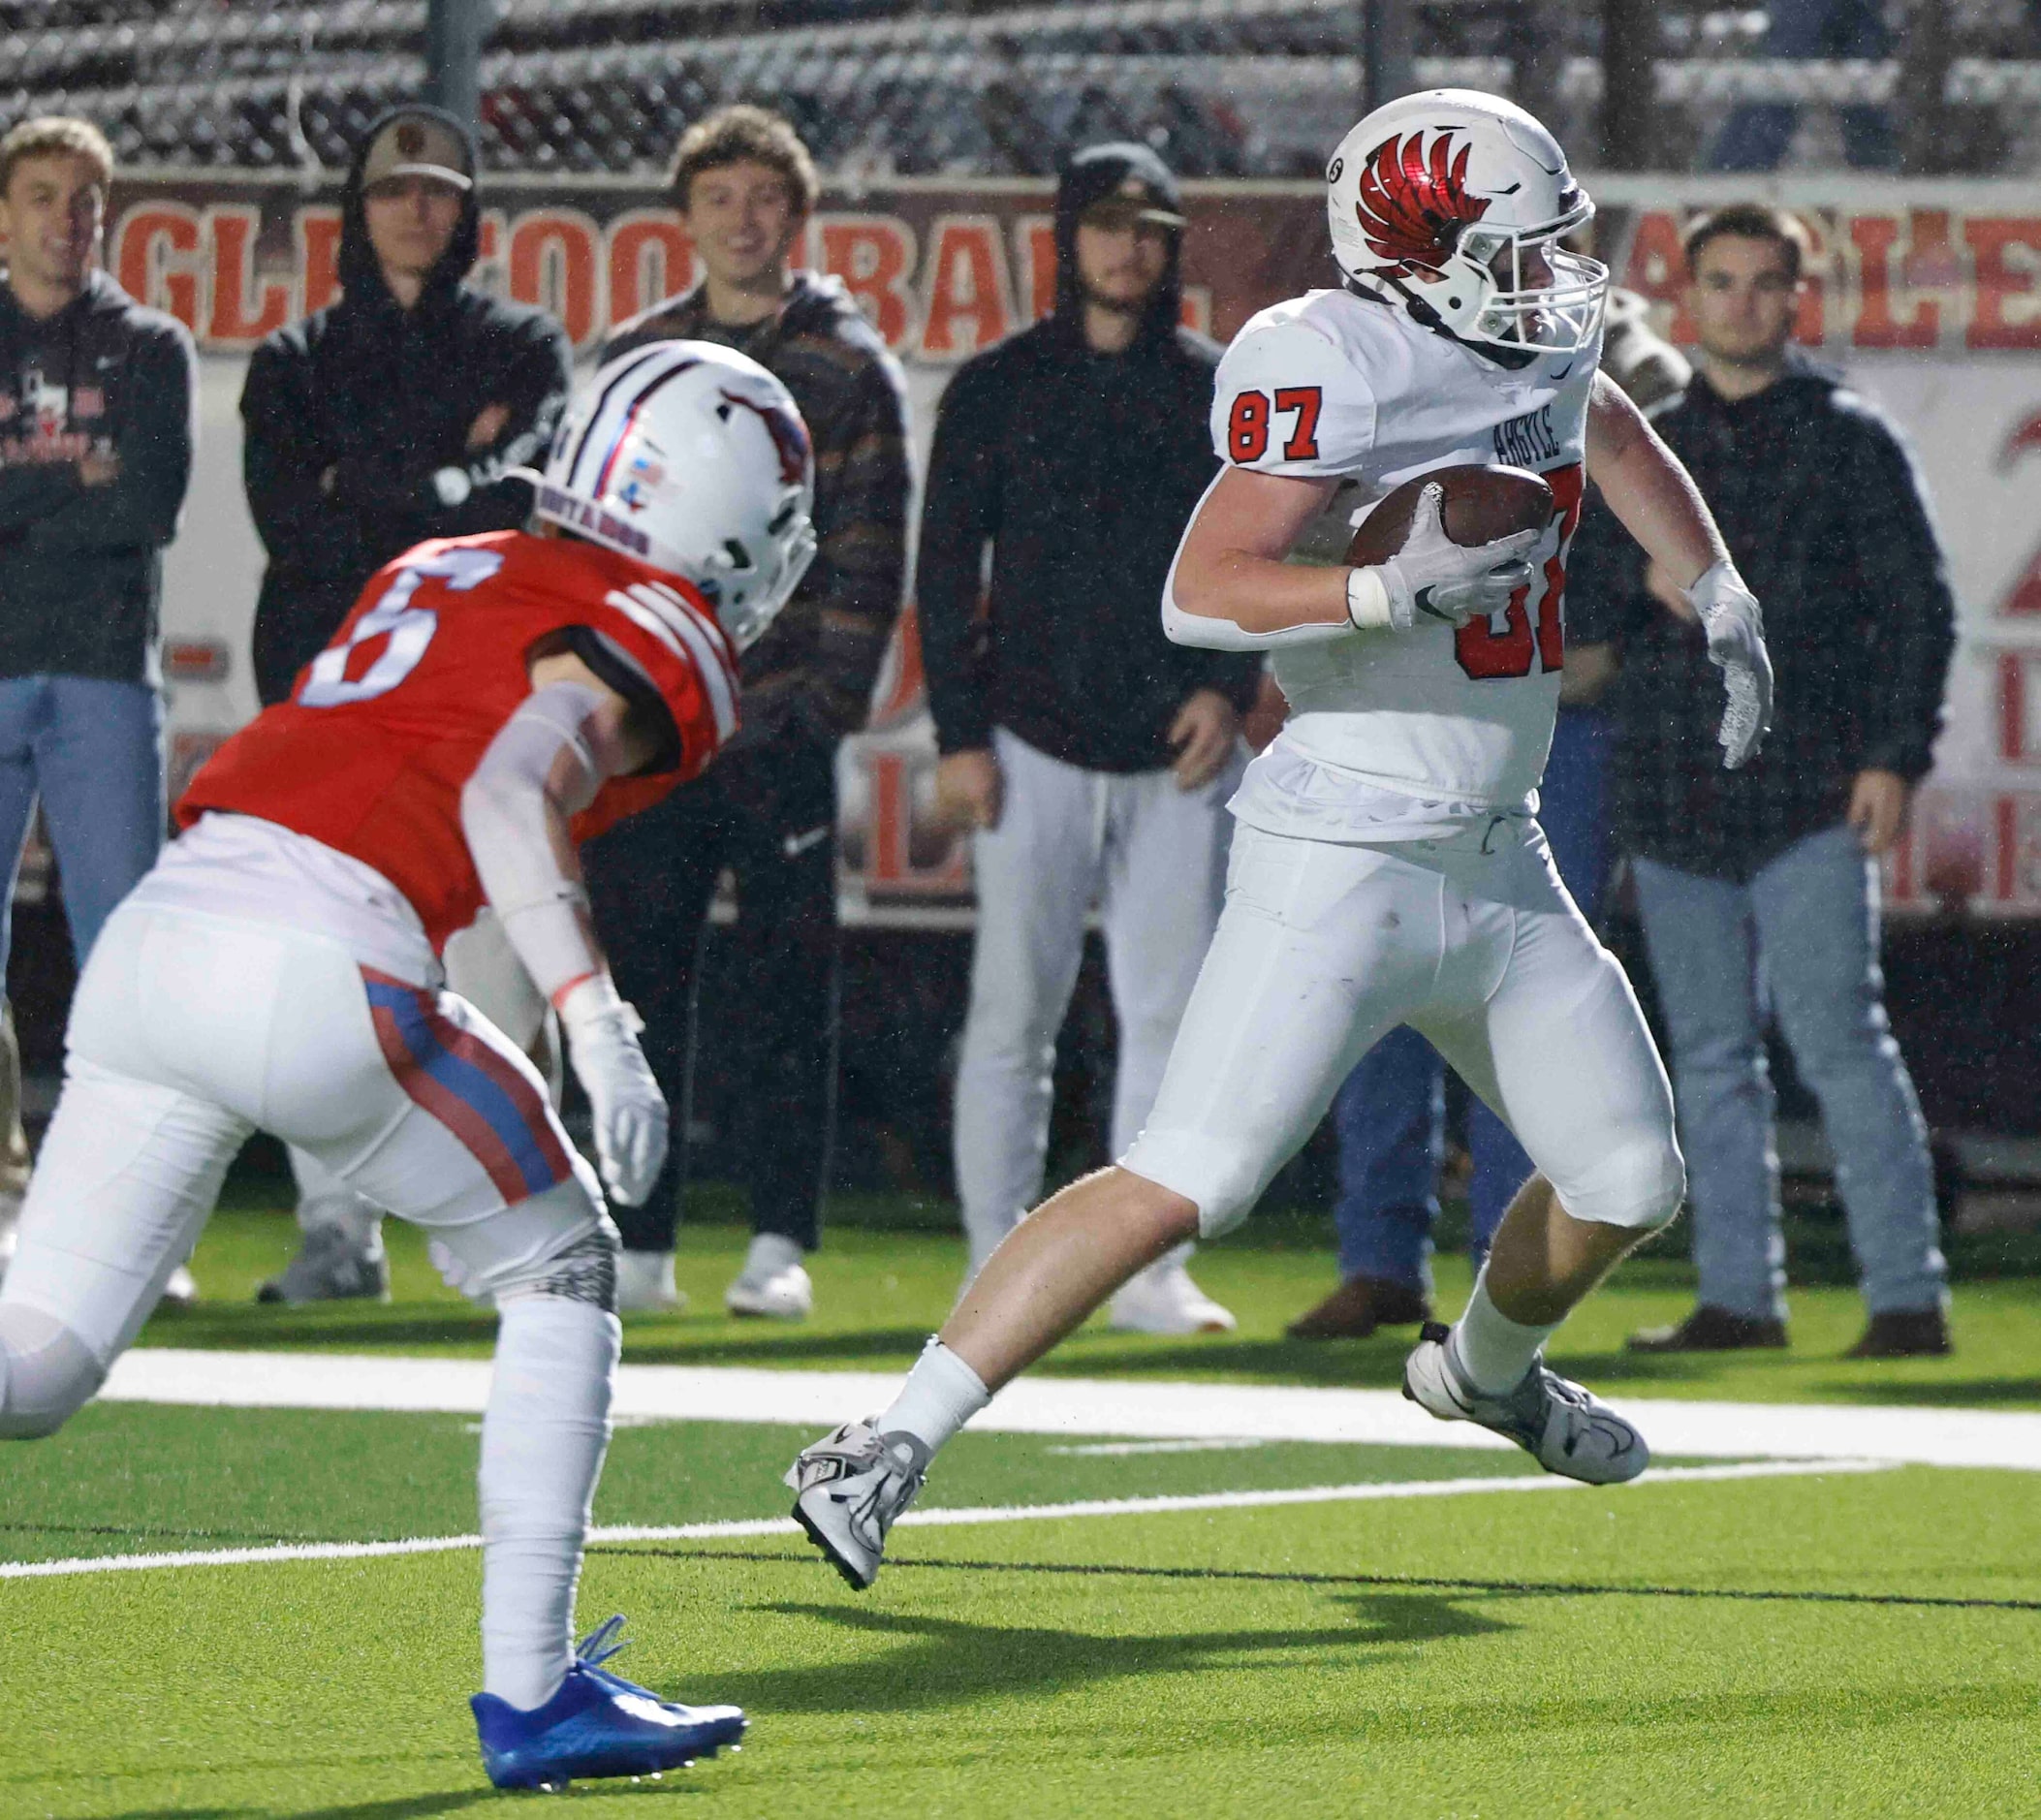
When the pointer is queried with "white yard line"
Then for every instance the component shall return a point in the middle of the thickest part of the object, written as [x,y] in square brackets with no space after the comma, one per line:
[1076,1407]
[935,1519]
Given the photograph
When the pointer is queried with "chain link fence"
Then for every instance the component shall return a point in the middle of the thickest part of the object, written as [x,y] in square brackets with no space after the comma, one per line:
[1221,88]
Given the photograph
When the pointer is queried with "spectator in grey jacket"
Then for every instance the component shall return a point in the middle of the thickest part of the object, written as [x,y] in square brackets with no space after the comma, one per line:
[96,432]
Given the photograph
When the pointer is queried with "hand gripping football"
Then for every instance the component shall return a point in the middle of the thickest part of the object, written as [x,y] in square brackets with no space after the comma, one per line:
[1480,504]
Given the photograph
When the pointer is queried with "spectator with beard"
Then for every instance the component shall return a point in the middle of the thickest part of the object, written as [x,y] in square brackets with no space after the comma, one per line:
[1091,757]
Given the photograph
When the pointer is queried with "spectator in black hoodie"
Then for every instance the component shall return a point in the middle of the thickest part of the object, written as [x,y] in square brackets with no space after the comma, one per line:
[96,433]
[744,185]
[393,416]
[1092,757]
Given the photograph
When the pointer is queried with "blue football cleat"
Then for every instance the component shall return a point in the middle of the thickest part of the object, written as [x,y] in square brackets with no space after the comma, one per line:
[598,1724]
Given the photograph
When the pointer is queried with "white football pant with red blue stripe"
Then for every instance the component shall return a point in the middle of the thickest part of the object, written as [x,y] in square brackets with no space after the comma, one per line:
[300,1001]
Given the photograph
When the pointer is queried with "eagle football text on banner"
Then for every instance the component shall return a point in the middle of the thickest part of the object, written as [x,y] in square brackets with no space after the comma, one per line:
[1928,295]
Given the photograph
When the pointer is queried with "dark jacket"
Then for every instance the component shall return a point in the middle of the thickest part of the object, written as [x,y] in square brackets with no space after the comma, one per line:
[357,426]
[82,567]
[811,676]
[1081,470]
[1828,521]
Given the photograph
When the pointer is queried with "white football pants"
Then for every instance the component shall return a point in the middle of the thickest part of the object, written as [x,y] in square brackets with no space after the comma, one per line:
[191,1030]
[1153,857]
[484,969]
[1324,948]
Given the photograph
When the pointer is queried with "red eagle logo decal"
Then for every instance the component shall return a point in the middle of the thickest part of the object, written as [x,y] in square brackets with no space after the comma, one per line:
[790,436]
[1412,208]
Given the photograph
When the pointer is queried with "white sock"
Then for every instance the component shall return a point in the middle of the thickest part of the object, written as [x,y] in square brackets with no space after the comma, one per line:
[1490,1351]
[940,1395]
[542,1438]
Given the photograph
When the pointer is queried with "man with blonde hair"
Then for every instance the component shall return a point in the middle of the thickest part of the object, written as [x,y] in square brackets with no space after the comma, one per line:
[96,436]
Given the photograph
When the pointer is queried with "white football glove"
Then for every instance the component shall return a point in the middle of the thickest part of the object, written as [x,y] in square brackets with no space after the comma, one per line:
[630,1111]
[1735,626]
[1431,577]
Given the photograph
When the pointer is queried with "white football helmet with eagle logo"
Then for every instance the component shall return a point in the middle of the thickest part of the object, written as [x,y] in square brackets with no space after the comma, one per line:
[694,459]
[1452,203]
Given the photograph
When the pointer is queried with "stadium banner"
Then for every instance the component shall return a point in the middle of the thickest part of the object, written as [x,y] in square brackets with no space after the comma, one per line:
[1927,293]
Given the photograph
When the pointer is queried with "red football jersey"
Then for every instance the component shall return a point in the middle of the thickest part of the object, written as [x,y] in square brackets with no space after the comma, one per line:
[386,726]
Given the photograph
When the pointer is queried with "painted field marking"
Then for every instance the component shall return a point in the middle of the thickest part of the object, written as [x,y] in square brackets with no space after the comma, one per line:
[1113,1450]
[1073,1408]
[963,1516]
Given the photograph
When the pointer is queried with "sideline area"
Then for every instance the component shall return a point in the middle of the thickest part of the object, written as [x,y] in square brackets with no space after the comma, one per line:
[1077,1406]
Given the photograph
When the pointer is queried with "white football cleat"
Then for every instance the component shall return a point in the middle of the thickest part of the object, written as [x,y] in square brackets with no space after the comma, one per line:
[1565,1427]
[1163,1299]
[644,1283]
[850,1489]
[773,1284]
[182,1288]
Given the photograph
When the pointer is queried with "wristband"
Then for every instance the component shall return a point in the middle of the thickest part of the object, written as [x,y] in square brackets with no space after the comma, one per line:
[1367,601]
[584,1001]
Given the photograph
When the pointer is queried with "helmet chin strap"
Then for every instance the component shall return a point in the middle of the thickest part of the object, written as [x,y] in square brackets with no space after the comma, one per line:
[1510,359]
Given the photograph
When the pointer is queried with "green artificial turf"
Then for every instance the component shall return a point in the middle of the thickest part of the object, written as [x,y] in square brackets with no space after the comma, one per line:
[1591,1653]
[880,1288]
[1828,1645]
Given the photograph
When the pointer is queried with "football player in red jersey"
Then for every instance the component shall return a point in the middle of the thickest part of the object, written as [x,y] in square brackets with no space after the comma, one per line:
[489,703]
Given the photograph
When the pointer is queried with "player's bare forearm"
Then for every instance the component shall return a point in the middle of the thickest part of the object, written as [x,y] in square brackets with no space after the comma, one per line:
[1648,488]
[1231,565]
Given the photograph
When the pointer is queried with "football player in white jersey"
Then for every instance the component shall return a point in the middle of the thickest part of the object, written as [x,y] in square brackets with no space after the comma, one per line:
[1388,866]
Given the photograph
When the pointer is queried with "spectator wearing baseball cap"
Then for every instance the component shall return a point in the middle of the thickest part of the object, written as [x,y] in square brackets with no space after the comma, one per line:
[1092,758]
[392,416]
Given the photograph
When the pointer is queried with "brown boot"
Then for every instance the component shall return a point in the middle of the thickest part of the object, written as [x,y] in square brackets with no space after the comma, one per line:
[1709,1329]
[1903,1333]
[1360,1305]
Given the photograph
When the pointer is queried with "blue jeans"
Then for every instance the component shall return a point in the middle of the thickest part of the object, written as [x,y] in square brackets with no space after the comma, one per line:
[93,751]
[1756,135]
[1389,1114]
[1801,943]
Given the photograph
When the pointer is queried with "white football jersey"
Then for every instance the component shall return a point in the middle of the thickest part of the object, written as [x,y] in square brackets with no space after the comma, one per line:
[1450,724]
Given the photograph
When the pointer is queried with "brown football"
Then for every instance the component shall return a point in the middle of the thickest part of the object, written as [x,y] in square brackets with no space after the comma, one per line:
[1481,505]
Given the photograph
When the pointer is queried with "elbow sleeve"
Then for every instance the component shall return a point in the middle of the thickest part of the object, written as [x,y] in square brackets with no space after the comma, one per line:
[509,810]
[1205,632]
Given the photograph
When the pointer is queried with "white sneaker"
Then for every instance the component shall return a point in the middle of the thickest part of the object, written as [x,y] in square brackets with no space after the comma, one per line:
[182,1288]
[773,1283]
[849,1488]
[1565,1427]
[333,1265]
[1163,1299]
[644,1284]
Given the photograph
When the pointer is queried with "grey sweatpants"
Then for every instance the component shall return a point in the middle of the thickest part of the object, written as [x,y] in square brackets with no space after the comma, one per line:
[1153,857]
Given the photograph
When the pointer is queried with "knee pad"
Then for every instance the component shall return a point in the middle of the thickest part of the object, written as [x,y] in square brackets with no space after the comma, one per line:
[1637,1184]
[560,1242]
[48,1374]
[1224,1179]
[586,1272]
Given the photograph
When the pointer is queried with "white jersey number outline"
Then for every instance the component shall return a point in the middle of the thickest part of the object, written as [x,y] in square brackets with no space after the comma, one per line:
[408,628]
